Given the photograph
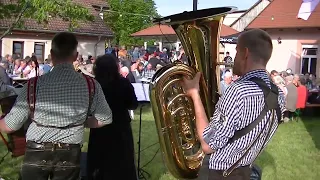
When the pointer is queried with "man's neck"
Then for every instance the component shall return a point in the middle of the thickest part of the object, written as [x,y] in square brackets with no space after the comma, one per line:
[254,67]
[61,62]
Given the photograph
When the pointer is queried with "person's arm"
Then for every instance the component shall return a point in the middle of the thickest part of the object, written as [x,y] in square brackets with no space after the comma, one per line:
[27,70]
[18,115]
[201,121]
[216,134]
[192,89]
[100,110]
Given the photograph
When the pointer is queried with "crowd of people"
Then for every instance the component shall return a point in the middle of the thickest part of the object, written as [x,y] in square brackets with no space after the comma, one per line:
[27,67]
[66,104]
[299,89]
[137,64]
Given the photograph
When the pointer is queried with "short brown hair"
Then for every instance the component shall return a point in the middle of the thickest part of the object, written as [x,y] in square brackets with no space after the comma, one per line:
[258,42]
[63,45]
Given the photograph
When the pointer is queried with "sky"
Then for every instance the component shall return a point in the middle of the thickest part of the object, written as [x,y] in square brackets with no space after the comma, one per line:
[169,7]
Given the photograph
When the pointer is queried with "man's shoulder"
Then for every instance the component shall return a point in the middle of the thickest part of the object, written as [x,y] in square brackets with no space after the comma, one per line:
[242,85]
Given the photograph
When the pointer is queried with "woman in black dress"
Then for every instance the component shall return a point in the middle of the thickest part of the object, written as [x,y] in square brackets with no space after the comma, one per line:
[111,148]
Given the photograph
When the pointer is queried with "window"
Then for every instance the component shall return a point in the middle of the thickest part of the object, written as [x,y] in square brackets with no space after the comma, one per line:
[310,51]
[309,65]
[18,47]
[39,50]
[309,60]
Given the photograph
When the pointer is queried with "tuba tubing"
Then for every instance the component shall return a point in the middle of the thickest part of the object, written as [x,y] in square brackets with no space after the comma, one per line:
[199,33]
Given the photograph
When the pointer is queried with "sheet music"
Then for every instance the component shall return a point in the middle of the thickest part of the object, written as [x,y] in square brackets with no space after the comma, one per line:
[142,91]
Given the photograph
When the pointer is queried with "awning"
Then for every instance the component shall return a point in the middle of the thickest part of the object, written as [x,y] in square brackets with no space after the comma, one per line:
[231,39]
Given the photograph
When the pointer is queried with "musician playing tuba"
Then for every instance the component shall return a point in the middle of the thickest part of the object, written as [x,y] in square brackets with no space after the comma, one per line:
[231,153]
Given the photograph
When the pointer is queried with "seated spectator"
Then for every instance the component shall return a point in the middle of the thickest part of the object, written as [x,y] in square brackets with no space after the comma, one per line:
[225,83]
[47,66]
[138,73]
[124,71]
[149,72]
[134,66]
[34,68]
[302,92]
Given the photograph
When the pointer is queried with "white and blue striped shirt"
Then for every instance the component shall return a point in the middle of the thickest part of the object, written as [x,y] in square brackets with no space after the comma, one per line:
[241,104]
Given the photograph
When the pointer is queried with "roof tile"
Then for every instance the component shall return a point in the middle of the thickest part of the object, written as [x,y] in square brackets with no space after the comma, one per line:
[96,27]
[283,14]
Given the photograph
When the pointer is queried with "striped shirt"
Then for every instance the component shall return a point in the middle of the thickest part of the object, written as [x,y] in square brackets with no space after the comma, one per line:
[241,104]
[62,98]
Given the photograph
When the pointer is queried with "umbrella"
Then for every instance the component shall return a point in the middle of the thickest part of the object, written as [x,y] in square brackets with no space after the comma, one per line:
[231,39]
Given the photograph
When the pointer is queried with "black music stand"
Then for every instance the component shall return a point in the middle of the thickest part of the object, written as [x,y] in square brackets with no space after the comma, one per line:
[142,93]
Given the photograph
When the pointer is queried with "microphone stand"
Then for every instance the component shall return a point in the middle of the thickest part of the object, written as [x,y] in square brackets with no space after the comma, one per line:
[141,172]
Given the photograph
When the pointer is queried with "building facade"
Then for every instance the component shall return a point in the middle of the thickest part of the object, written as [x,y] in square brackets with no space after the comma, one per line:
[36,38]
[295,41]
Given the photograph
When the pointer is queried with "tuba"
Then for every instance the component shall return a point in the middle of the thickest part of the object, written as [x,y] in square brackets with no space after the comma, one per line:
[199,33]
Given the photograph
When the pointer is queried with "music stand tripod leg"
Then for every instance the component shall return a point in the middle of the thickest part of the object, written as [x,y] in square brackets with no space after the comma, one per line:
[141,171]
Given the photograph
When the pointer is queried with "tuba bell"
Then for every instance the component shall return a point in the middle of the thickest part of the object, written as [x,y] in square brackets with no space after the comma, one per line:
[199,33]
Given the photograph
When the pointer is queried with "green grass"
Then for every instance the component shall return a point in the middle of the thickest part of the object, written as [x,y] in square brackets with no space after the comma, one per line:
[293,153]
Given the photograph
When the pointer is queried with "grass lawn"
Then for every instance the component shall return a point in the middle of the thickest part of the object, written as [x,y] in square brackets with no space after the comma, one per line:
[293,154]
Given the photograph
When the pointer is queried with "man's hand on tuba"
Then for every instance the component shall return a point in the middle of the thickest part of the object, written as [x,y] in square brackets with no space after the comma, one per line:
[191,86]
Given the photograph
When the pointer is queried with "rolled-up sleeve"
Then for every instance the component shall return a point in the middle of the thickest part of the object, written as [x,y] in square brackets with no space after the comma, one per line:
[222,125]
[20,111]
[100,108]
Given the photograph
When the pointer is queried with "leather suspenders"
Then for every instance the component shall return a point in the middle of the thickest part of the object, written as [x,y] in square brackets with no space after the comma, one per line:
[31,95]
[31,98]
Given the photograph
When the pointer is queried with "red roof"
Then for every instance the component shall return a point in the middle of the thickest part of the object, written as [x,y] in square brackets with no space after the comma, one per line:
[283,14]
[92,28]
[161,30]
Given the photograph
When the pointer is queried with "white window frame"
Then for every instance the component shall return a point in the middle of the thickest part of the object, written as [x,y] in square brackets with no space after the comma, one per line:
[309,46]
[308,56]
[309,63]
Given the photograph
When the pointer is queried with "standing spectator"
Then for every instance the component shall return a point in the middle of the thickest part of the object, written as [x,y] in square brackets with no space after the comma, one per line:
[291,98]
[228,58]
[115,161]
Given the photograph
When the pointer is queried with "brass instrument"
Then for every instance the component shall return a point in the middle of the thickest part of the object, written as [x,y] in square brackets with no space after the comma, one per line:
[199,33]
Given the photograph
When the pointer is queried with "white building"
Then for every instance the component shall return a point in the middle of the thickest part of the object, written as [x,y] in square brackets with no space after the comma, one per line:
[36,38]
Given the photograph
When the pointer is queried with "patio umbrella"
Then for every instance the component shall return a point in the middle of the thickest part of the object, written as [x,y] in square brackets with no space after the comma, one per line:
[231,39]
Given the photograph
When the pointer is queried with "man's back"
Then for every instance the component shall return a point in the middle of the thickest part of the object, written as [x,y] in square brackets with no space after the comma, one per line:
[241,104]
[62,98]
[58,104]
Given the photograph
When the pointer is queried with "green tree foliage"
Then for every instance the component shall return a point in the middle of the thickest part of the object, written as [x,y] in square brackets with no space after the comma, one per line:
[129,16]
[42,11]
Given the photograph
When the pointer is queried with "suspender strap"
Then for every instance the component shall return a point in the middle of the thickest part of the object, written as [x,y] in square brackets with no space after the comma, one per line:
[32,83]
[91,89]
[271,102]
[31,98]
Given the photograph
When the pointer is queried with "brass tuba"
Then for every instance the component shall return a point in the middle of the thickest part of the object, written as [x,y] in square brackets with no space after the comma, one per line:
[199,33]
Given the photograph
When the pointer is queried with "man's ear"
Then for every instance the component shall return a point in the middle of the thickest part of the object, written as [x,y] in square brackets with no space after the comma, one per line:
[246,53]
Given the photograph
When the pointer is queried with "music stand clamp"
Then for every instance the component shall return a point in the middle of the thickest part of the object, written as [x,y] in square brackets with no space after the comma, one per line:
[142,93]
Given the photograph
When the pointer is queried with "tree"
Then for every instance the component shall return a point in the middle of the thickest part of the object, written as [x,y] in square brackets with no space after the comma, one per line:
[129,16]
[42,11]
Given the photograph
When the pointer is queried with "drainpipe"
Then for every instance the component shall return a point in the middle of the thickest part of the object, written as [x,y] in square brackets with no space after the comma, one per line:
[96,46]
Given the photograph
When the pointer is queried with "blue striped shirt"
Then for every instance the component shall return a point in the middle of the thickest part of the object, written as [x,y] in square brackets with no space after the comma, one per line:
[241,104]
